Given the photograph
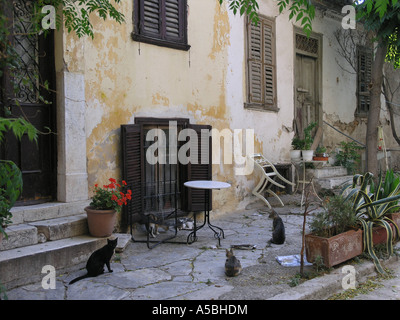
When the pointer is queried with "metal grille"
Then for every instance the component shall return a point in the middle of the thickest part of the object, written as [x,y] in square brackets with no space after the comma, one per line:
[309,45]
[161,187]
[26,74]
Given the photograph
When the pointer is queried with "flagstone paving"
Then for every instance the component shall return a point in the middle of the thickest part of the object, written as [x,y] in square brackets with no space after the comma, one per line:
[196,271]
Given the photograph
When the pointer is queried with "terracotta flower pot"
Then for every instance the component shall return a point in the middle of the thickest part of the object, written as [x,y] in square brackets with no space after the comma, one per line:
[336,249]
[100,222]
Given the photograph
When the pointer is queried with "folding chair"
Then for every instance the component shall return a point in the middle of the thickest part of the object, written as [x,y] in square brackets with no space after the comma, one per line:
[267,178]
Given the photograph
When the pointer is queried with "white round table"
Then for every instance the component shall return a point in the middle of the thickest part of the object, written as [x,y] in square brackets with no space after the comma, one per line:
[208,186]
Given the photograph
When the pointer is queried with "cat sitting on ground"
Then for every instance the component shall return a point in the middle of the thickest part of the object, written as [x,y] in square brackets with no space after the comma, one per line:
[232,264]
[155,223]
[278,229]
[97,260]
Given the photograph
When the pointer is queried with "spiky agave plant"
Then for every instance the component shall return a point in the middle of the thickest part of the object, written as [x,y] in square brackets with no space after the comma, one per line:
[370,211]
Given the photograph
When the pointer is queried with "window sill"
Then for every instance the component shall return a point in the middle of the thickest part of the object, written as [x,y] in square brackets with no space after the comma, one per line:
[159,42]
[260,107]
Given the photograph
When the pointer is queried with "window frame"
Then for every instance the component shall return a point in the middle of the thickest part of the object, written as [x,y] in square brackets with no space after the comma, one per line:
[161,38]
[263,105]
[367,52]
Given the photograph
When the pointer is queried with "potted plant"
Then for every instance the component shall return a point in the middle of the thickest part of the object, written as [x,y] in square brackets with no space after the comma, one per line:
[308,141]
[372,210]
[320,154]
[297,145]
[334,234]
[106,203]
[348,156]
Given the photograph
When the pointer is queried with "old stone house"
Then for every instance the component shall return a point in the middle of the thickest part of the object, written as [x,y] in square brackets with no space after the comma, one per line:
[195,63]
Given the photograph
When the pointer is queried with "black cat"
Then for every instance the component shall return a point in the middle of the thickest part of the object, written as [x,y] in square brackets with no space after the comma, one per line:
[97,260]
[278,229]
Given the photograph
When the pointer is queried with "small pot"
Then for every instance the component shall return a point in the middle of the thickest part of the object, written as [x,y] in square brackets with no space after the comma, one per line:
[307,155]
[100,222]
[295,154]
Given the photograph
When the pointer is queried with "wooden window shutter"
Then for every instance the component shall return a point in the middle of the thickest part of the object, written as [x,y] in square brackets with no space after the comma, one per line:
[161,22]
[201,170]
[364,57]
[174,20]
[261,65]
[150,18]
[132,166]
[255,63]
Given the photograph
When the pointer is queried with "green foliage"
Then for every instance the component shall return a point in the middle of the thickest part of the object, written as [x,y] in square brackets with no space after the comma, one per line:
[348,156]
[371,210]
[297,143]
[337,217]
[248,7]
[304,144]
[308,139]
[302,10]
[10,189]
[76,14]
[383,18]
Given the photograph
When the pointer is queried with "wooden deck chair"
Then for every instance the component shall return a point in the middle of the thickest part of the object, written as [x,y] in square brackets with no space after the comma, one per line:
[267,178]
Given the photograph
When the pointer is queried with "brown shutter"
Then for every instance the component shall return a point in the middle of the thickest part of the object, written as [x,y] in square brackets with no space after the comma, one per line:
[201,170]
[174,20]
[364,55]
[132,166]
[255,63]
[269,65]
[150,18]
[261,64]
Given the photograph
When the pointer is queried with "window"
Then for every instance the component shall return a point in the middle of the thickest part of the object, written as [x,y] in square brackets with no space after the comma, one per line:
[161,22]
[261,66]
[364,57]
[154,184]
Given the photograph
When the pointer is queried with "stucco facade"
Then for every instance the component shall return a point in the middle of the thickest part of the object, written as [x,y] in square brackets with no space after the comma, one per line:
[108,81]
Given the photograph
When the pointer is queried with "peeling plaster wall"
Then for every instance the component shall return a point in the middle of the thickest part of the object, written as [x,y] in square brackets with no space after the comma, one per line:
[125,79]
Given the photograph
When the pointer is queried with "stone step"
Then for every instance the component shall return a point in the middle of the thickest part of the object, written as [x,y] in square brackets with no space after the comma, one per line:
[25,234]
[49,210]
[19,235]
[60,228]
[21,266]
[333,182]
[328,172]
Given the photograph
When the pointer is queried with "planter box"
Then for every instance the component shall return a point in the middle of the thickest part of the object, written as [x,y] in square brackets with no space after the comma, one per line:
[379,234]
[336,249]
[396,218]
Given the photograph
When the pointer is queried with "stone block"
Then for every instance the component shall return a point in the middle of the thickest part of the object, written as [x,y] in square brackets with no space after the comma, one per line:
[19,235]
[60,228]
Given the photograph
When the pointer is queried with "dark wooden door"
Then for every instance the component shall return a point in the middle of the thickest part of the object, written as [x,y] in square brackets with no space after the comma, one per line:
[31,94]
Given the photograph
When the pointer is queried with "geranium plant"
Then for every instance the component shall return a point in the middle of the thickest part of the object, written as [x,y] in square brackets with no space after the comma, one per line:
[110,196]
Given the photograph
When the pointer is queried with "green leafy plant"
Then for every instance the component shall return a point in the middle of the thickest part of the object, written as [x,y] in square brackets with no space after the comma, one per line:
[320,150]
[110,196]
[370,211]
[308,139]
[348,156]
[297,143]
[10,189]
[337,217]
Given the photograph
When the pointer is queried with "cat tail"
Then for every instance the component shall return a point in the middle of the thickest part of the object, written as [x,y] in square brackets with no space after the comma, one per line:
[79,278]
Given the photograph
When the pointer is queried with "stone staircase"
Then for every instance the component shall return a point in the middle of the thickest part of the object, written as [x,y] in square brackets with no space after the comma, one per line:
[54,234]
[329,177]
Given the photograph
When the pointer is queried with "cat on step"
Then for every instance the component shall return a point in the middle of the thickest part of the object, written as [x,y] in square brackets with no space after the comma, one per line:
[278,229]
[97,260]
